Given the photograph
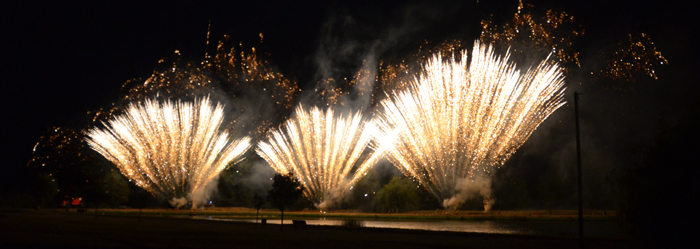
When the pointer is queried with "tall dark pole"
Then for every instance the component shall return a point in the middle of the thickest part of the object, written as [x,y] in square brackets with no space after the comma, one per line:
[578,166]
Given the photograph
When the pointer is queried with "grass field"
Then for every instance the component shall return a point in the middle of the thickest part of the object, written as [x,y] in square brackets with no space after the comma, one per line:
[169,229]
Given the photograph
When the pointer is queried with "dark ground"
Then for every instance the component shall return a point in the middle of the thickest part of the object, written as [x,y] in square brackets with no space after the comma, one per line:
[57,229]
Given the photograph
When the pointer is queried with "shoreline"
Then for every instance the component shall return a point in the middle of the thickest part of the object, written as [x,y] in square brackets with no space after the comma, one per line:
[54,228]
[238,212]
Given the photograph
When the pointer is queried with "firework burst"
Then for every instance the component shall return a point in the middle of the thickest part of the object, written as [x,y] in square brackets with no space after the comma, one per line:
[173,150]
[326,151]
[456,122]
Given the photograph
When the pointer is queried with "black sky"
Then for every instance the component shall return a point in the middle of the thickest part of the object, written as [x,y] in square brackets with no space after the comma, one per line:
[60,60]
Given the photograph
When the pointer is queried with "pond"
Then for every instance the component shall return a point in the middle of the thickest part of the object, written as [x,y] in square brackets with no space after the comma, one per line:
[602,229]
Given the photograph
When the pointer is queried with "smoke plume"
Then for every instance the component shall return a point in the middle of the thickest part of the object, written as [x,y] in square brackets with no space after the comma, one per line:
[469,188]
[178,202]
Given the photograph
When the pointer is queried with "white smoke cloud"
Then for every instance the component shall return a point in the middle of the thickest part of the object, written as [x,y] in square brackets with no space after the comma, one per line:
[468,188]
[332,197]
[178,202]
[349,44]
[260,178]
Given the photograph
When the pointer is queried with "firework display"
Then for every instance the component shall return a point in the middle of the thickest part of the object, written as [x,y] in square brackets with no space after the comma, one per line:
[442,116]
[171,149]
[457,121]
[328,152]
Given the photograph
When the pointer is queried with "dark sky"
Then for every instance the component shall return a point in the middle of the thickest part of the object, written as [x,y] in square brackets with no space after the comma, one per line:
[60,60]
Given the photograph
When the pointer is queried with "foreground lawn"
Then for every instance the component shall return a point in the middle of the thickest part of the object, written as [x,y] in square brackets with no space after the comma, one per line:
[60,229]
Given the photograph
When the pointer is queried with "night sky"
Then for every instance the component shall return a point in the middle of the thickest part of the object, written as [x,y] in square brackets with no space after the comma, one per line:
[61,60]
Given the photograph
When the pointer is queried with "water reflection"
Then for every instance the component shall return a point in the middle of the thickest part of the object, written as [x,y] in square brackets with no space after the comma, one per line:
[547,228]
[454,226]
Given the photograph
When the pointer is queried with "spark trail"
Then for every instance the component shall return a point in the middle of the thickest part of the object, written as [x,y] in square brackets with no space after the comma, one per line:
[327,152]
[456,123]
[172,150]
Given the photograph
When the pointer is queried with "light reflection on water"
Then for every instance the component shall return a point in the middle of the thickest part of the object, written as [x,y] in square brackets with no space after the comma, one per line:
[454,226]
[547,228]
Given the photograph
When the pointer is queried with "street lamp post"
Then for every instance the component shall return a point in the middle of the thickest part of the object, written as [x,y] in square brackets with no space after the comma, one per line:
[578,166]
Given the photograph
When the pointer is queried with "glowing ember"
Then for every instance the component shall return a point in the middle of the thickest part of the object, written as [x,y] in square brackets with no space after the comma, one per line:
[173,150]
[526,33]
[237,72]
[327,152]
[457,122]
[557,31]
[57,150]
[637,55]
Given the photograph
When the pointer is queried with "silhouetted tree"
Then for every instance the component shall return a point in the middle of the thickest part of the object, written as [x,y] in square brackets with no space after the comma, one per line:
[113,189]
[46,189]
[75,169]
[286,190]
[398,196]
[232,188]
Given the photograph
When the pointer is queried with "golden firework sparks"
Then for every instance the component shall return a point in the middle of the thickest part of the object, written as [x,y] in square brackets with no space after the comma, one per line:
[329,93]
[557,31]
[525,33]
[456,121]
[396,76]
[245,71]
[636,55]
[242,75]
[326,151]
[58,149]
[172,150]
